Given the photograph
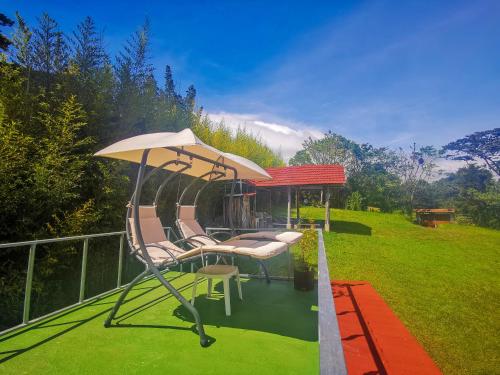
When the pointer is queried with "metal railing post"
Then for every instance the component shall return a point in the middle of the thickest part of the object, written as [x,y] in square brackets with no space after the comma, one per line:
[29,282]
[120,262]
[84,269]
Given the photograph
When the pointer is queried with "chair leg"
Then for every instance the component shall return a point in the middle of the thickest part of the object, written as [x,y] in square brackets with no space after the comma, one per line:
[209,287]
[264,269]
[196,277]
[227,296]
[289,263]
[118,303]
[238,282]
[199,325]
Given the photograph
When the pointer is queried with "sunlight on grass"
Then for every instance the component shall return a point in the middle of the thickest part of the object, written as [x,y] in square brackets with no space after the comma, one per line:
[442,283]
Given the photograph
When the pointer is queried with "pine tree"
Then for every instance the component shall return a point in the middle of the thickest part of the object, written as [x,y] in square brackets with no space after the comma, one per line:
[88,50]
[50,51]
[24,49]
[137,88]
[4,41]
[190,99]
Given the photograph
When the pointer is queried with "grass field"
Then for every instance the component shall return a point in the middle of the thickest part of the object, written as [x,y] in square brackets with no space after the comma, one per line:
[443,283]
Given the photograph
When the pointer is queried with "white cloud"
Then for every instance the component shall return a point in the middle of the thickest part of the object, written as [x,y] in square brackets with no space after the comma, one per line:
[448,166]
[287,137]
[284,138]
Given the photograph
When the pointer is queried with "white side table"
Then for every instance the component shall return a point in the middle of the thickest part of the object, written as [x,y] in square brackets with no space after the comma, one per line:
[218,271]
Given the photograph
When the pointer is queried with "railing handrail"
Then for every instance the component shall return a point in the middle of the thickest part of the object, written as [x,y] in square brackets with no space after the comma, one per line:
[96,235]
[331,352]
[58,239]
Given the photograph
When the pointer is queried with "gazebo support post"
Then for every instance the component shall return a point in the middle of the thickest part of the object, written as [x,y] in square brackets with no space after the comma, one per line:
[297,206]
[289,208]
[327,210]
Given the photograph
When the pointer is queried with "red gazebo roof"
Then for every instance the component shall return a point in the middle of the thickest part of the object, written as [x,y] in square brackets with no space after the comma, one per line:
[326,174]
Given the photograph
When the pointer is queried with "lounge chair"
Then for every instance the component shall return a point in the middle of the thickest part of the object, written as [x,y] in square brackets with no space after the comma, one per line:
[180,153]
[191,230]
[165,254]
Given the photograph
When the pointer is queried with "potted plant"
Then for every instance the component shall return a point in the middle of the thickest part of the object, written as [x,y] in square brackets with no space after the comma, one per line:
[304,271]
[312,224]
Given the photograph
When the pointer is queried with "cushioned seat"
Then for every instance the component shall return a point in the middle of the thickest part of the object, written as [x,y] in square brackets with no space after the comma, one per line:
[154,238]
[286,237]
[192,230]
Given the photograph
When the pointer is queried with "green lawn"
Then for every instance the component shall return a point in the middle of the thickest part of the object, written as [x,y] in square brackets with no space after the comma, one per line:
[274,330]
[443,283]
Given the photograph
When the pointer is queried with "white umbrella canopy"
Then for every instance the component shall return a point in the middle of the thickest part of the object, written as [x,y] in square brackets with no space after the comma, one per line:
[131,149]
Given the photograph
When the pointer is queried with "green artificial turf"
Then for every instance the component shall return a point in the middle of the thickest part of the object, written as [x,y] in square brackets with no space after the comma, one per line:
[272,331]
[443,283]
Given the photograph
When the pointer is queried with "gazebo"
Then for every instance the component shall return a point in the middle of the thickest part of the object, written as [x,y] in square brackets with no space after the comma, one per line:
[305,177]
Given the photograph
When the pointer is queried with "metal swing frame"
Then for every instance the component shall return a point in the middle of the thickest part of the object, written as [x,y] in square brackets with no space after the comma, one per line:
[143,256]
[218,175]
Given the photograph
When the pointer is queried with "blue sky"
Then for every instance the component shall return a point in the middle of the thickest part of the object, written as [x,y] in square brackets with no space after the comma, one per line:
[384,72]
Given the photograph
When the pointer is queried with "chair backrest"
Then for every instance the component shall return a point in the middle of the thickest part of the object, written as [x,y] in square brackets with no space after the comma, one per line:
[186,212]
[151,226]
[189,226]
[147,212]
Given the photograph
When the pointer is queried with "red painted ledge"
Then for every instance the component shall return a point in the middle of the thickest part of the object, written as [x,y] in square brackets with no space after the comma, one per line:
[374,340]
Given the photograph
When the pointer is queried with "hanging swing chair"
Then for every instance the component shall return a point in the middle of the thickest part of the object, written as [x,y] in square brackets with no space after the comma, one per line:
[181,153]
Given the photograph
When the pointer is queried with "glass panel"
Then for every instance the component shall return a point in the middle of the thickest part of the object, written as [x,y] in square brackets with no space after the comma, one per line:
[12,285]
[56,279]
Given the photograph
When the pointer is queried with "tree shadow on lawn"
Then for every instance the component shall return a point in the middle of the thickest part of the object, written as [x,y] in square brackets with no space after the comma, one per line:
[350,227]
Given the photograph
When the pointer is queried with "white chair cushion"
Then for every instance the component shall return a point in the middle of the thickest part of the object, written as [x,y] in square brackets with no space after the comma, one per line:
[287,237]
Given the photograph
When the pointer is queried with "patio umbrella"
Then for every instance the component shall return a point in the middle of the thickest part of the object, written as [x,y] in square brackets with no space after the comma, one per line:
[187,148]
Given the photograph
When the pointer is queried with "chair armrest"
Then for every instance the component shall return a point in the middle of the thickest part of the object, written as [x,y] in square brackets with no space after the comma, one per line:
[174,258]
[200,243]
[211,235]
[189,241]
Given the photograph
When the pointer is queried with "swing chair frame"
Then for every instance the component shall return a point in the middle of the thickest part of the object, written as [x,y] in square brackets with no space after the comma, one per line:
[139,250]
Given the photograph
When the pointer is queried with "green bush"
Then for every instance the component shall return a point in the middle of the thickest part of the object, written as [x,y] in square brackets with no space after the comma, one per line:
[308,245]
[354,202]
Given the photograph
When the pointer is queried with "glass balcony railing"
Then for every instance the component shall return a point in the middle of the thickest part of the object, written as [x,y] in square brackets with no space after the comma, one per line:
[65,273]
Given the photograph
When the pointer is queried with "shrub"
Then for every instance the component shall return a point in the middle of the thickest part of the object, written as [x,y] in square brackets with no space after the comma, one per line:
[305,260]
[354,201]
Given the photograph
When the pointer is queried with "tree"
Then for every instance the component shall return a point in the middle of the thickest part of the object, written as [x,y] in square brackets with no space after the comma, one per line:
[50,51]
[4,41]
[331,149]
[484,146]
[190,99]
[471,177]
[91,79]
[301,157]
[413,167]
[136,94]
[24,49]
[171,95]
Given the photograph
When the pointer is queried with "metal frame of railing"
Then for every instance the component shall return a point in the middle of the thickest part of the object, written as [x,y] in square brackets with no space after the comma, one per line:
[332,360]
[83,273]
